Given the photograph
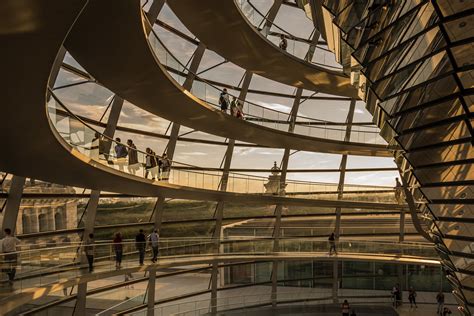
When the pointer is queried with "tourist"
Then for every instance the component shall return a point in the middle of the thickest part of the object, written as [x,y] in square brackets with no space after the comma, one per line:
[133,164]
[398,191]
[9,245]
[154,243]
[103,148]
[240,109]
[345,308]
[151,166]
[118,248]
[412,297]
[233,107]
[121,154]
[89,251]
[283,43]
[165,164]
[396,295]
[332,244]
[224,100]
[440,300]
[94,149]
[140,244]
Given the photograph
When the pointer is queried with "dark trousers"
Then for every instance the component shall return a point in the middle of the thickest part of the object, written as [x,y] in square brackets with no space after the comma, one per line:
[118,256]
[332,247]
[11,260]
[90,260]
[141,254]
[155,252]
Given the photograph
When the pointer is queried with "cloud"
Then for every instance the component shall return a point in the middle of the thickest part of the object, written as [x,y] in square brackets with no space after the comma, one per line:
[194,153]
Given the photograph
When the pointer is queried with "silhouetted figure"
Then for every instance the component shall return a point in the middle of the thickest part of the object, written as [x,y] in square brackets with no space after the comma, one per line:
[89,251]
[118,249]
[396,295]
[133,164]
[283,42]
[8,247]
[121,154]
[233,107]
[140,244]
[332,244]
[398,191]
[345,308]
[151,165]
[154,243]
[224,100]
[240,109]
[165,164]
[412,297]
[440,301]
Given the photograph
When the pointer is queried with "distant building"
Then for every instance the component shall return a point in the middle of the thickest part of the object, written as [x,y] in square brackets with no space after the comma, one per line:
[46,214]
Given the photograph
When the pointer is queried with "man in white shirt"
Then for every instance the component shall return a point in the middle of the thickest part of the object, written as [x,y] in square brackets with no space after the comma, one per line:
[10,257]
[154,242]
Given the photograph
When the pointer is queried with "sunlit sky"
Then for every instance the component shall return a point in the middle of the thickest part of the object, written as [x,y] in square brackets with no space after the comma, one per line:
[91,100]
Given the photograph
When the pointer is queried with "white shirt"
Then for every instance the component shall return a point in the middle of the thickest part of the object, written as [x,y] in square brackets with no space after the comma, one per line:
[9,244]
[154,239]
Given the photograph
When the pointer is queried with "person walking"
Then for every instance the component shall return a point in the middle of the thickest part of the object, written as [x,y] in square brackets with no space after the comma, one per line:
[154,243]
[283,42]
[151,165]
[224,100]
[332,244]
[396,295]
[133,164]
[165,167]
[440,301]
[89,251]
[233,107]
[240,109]
[121,154]
[118,249]
[9,245]
[345,308]
[140,244]
[398,191]
[412,297]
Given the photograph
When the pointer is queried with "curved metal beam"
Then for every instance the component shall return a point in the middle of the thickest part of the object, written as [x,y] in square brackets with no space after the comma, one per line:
[149,86]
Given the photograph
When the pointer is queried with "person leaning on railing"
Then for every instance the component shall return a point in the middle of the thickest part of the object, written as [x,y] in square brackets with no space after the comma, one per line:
[8,248]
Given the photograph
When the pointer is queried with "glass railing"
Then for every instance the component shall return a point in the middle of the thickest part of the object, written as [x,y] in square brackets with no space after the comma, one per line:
[89,141]
[258,114]
[244,302]
[37,265]
[295,45]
